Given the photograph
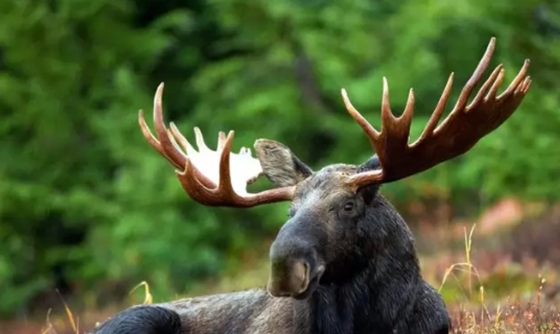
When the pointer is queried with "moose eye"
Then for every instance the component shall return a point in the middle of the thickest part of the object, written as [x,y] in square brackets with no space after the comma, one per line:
[349,206]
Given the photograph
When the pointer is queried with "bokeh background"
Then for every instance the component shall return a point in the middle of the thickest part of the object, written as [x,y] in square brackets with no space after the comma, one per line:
[88,210]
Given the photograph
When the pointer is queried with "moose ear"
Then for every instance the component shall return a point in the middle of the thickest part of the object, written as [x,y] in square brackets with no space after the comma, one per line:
[372,164]
[279,164]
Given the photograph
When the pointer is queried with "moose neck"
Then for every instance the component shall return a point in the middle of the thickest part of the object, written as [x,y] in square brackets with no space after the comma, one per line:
[377,291]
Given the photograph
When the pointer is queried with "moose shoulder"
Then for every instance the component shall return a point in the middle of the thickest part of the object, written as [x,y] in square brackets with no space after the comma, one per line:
[345,261]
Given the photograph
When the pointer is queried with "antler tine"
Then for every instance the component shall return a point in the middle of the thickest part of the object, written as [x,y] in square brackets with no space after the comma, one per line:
[459,132]
[200,140]
[519,79]
[178,136]
[154,143]
[175,136]
[225,177]
[438,112]
[172,152]
[476,76]
[490,87]
[371,132]
[399,127]
[161,144]
[221,140]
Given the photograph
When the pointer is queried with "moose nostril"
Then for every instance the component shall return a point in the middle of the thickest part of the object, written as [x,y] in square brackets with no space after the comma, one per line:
[301,276]
[289,278]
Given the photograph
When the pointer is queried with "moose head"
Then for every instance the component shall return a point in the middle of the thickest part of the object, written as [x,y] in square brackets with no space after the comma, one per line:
[336,213]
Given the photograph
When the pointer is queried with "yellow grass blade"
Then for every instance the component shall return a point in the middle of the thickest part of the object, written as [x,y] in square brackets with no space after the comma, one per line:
[148,299]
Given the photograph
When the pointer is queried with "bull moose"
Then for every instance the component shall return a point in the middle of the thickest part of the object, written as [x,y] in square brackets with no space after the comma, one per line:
[345,261]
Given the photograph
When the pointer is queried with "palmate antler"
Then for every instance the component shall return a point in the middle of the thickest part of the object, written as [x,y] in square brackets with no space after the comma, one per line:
[458,133]
[212,178]
[220,178]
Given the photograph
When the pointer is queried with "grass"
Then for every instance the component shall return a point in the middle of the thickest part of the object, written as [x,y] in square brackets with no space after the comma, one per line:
[516,317]
[480,301]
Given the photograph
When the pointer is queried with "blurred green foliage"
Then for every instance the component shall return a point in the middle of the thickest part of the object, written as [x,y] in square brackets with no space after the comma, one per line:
[86,204]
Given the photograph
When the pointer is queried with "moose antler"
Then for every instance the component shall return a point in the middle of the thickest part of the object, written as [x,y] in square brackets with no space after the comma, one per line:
[212,178]
[459,132]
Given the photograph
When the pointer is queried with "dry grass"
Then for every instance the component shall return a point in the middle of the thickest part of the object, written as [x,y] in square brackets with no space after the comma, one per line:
[515,317]
[70,323]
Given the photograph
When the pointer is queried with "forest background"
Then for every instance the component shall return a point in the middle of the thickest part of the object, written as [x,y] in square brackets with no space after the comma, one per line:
[88,210]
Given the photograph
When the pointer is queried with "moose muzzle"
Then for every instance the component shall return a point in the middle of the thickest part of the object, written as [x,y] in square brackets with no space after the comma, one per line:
[296,266]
